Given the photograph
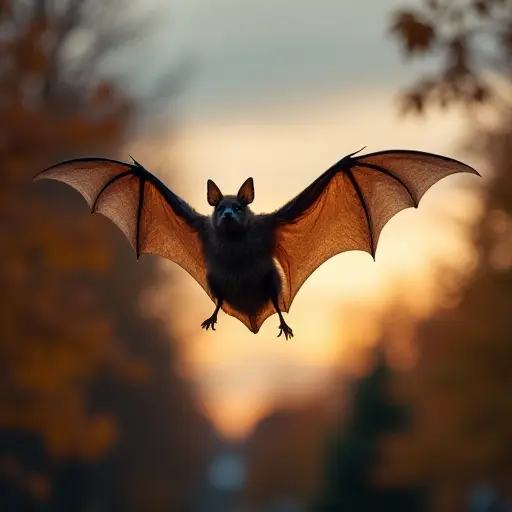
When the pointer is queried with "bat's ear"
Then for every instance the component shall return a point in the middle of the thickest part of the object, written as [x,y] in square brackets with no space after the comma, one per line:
[214,195]
[246,193]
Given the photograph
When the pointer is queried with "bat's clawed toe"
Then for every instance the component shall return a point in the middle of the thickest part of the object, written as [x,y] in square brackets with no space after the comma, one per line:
[286,329]
[210,322]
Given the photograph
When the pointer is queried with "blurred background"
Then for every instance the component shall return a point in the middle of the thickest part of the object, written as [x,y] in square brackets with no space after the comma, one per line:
[394,394]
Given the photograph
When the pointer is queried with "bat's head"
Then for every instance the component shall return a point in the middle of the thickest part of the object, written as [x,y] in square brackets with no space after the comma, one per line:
[231,213]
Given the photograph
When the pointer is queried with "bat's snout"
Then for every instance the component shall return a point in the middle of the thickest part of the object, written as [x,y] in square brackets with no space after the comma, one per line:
[229,214]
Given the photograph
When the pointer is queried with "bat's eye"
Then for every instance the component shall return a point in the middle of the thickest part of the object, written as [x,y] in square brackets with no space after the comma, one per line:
[237,208]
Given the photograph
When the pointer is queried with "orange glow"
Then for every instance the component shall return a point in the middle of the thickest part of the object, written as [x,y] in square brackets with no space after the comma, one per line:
[235,417]
[333,313]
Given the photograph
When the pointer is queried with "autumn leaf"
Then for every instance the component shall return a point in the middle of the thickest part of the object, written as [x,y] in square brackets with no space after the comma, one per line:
[416,35]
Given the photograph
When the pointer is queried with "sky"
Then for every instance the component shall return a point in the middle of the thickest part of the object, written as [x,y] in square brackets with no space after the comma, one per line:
[247,54]
[280,90]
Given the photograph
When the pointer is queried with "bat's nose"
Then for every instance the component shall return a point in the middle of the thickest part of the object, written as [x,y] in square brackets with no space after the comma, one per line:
[227,213]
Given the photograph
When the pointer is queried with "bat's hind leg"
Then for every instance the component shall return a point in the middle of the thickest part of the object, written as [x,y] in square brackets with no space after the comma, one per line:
[283,326]
[210,322]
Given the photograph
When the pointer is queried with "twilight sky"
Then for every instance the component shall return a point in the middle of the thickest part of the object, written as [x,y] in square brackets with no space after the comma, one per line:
[251,53]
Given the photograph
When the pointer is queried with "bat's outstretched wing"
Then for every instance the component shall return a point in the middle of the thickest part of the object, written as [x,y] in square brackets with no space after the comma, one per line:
[348,205]
[154,219]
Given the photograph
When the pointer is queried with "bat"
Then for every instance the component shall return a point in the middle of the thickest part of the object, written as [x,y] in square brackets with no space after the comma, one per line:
[252,265]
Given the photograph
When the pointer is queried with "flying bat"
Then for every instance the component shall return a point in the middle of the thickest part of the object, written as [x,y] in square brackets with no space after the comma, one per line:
[252,265]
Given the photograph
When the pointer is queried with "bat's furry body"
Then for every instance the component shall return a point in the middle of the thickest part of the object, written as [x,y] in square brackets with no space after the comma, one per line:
[238,254]
[252,265]
[240,269]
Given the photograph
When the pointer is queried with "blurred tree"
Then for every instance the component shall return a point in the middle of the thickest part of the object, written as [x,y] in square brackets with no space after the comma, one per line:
[352,456]
[89,388]
[459,390]
[284,456]
[472,39]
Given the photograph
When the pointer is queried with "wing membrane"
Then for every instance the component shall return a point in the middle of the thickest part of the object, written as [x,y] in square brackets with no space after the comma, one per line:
[152,217]
[347,207]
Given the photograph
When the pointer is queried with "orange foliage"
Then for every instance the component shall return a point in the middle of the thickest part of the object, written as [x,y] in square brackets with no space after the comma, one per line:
[86,380]
[54,337]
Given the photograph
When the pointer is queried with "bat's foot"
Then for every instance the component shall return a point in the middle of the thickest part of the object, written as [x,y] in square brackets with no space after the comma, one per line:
[210,322]
[286,329]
